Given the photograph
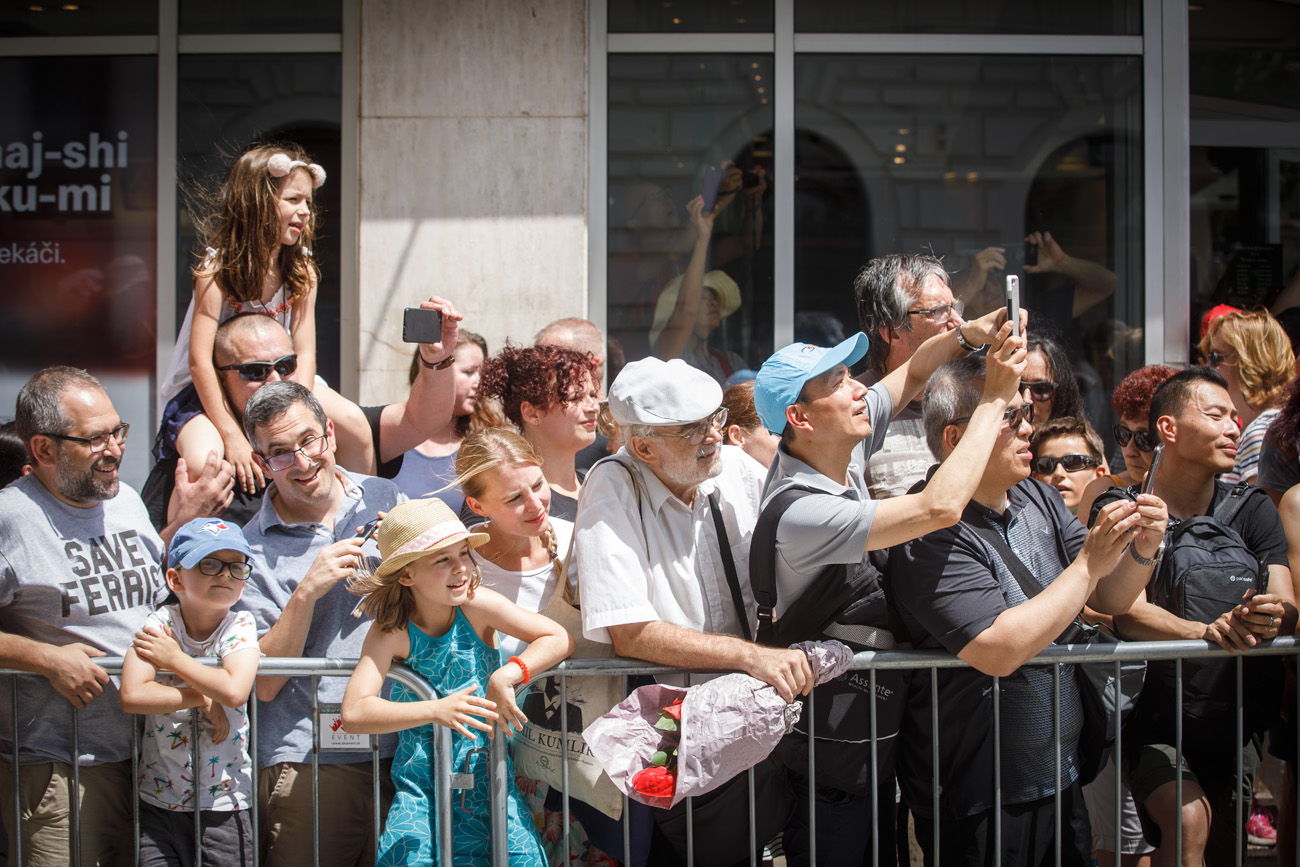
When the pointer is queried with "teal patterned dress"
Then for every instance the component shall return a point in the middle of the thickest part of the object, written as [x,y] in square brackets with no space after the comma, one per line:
[450,662]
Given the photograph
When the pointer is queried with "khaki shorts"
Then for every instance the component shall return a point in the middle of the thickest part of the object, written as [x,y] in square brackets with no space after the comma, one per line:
[347,807]
[107,800]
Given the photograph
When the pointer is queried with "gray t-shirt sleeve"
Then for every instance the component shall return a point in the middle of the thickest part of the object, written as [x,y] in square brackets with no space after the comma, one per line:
[822,529]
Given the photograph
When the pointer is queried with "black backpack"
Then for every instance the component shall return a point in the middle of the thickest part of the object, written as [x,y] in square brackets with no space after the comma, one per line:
[1204,571]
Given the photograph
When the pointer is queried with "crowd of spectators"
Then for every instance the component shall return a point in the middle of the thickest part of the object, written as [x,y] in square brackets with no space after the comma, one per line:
[954,496]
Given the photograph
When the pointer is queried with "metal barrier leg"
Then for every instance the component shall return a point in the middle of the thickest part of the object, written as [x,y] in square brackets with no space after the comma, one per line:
[442,792]
[1060,774]
[997,768]
[256,806]
[76,788]
[1178,761]
[564,767]
[812,780]
[934,768]
[315,770]
[1240,827]
[195,767]
[875,776]
[1118,758]
[497,777]
[16,836]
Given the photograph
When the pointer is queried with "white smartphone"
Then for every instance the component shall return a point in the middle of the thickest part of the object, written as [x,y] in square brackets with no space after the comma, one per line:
[1013,303]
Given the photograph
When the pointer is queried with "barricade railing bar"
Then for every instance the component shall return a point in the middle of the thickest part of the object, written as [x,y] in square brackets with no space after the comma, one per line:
[871,661]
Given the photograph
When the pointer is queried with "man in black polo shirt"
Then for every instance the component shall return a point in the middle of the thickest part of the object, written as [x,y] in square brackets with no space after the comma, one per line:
[955,592]
[1193,414]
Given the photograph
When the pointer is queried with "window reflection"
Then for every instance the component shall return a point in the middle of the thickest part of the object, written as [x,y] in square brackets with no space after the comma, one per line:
[1021,165]
[676,124]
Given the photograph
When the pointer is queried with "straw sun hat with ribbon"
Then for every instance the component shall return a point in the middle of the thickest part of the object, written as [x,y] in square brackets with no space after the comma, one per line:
[416,528]
[726,290]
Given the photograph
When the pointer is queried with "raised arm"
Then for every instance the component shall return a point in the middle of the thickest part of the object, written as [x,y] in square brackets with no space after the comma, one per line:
[677,333]
[428,408]
[302,328]
[208,299]
[1093,283]
[901,519]
[907,381]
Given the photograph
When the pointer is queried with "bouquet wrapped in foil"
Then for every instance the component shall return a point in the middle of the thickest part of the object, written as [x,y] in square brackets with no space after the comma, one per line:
[665,743]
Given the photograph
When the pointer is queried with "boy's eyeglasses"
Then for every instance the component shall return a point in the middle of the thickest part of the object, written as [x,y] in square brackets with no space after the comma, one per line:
[1072,464]
[1141,438]
[258,371]
[942,313]
[212,567]
[1040,390]
[696,435]
[98,442]
[1013,416]
[312,447]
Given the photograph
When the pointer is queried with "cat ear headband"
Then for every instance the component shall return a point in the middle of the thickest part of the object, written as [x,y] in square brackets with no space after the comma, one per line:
[280,165]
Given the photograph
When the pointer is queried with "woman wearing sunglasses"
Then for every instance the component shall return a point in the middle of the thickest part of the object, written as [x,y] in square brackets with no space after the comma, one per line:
[1049,380]
[1132,404]
[1254,355]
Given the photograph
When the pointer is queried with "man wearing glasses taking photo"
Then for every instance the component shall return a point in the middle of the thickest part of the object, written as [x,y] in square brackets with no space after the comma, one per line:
[304,548]
[79,571]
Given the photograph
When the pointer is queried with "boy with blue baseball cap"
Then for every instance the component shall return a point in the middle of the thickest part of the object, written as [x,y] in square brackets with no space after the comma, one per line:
[208,563]
[809,564]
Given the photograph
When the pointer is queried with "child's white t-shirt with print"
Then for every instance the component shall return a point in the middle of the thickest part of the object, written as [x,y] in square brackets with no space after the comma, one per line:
[225,772]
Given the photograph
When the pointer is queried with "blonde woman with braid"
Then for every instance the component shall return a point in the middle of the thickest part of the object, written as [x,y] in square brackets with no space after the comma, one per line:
[503,482]
[523,560]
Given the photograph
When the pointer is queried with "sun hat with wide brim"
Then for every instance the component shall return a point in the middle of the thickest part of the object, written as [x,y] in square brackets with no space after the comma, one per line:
[726,290]
[416,528]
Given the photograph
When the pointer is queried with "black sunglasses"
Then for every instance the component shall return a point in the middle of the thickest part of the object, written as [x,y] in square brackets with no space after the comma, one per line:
[1141,438]
[1040,389]
[1217,358]
[258,371]
[1013,416]
[1072,463]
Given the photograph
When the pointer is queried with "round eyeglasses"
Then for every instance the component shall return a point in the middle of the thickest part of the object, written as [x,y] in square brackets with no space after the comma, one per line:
[696,435]
[311,447]
[212,567]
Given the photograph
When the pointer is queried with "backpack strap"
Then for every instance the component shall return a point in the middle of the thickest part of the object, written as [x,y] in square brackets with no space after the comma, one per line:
[729,565]
[1230,505]
[762,556]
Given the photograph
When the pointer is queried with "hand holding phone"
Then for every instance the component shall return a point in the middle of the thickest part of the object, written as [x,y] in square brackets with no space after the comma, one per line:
[712,183]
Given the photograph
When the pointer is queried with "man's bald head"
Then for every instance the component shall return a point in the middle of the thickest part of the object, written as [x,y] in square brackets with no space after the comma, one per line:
[238,334]
[578,334]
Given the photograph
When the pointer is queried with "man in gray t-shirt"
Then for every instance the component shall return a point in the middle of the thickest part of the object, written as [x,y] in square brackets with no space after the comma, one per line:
[830,424]
[304,548]
[79,572]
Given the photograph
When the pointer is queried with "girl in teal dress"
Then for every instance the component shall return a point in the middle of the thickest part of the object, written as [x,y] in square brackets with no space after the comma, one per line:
[429,612]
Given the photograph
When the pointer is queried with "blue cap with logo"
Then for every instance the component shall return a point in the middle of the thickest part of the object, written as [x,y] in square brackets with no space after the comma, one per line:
[784,374]
[202,537]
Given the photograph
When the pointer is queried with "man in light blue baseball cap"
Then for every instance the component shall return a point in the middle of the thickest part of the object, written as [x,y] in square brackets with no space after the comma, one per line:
[809,563]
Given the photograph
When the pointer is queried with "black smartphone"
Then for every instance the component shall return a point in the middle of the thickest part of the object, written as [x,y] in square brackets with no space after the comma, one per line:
[368,530]
[421,325]
[1150,481]
[712,183]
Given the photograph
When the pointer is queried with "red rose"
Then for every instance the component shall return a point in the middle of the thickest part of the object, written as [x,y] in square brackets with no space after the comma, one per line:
[655,783]
[674,710]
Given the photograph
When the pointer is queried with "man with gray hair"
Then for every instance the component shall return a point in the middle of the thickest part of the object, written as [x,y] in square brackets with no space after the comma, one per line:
[996,589]
[305,547]
[661,548]
[79,572]
[903,300]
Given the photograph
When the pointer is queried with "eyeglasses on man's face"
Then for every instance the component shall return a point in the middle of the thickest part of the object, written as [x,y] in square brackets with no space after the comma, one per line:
[696,435]
[942,313]
[312,447]
[259,371]
[1013,416]
[99,442]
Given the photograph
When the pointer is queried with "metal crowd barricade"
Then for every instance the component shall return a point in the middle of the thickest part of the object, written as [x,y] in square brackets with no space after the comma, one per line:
[499,784]
[874,661]
[275,667]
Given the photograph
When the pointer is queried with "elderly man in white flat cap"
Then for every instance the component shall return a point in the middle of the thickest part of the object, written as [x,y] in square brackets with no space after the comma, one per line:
[661,549]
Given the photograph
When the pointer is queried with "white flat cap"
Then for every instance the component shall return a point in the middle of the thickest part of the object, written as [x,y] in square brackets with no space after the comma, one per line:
[656,392]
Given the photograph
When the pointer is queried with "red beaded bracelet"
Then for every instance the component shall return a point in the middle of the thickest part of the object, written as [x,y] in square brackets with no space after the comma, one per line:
[519,662]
